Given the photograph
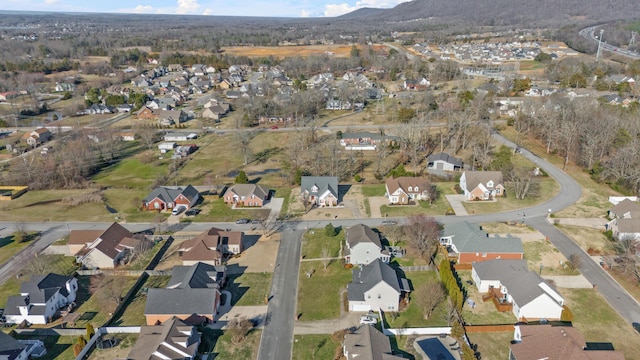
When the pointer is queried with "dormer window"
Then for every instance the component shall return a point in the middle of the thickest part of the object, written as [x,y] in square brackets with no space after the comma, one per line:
[409,188]
[490,183]
[416,189]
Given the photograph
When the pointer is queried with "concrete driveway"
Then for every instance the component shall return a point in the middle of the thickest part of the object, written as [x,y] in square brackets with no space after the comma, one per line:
[455,201]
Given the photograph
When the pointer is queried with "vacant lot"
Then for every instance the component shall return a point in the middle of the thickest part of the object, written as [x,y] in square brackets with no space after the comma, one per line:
[319,295]
[289,51]
[317,240]
[315,347]
[590,240]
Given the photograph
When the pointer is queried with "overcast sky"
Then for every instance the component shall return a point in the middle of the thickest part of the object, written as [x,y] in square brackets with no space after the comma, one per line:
[277,8]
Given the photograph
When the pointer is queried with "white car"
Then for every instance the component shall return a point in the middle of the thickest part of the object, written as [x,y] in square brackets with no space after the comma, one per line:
[178,209]
[369,320]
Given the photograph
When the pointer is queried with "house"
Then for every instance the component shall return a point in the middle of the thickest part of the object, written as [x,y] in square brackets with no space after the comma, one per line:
[444,161]
[61,86]
[624,224]
[367,343]
[127,136]
[482,185]
[247,195]
[511,282]
[405,190]
[210,246]
[146,113]
[171,340]
[375,286]
[183,151]
[168,197]
[363,245]
[421,84]
[40,299]
[124,108]
[320,190]
[467,243]
[364,140]
[37,136]
[180,136]
[192,295]
[171,117]
[335,104]
[12,349]
[101,249]
[534,342]
[625,209]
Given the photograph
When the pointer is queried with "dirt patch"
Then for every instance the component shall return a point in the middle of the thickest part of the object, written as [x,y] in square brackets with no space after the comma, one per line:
[260,257]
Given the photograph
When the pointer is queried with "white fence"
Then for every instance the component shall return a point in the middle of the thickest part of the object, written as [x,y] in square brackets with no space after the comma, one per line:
[413,331]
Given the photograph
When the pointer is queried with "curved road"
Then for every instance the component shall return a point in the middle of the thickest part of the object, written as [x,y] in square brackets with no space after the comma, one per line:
[589,33]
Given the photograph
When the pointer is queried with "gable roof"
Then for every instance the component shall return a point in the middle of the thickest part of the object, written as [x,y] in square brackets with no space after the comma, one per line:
[199,275]
[170,193]
[10,348]
[404,182]
[445,157]
[246,190]
[523,285]
[362,234]
[204,247]
[474,178]
[323,183]
[370,275]
[628,226]
[201,301]
[625,206]
[367,343]
[42,287]
[173,339]
[469,238]
[556,342]
[112,241]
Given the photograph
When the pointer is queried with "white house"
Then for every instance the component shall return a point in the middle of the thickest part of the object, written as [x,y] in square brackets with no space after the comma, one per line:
[170,137]
[482,185]
[363,246]
[40,298]
[532,298]
[444,161]
[375,286]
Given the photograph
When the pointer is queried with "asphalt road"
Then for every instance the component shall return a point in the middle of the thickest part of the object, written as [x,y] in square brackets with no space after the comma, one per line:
[590,33]
[277,335]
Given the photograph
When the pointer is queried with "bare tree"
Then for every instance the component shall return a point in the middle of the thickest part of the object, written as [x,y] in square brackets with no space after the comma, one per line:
[423,232]
[109,290]
[393,234]
[239,328]
[574,261]
[428,296]
[521,180]
[148,135]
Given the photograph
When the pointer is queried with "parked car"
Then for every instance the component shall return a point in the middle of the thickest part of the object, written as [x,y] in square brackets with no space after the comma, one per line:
[369,320]
[389,222]
[255,222]
[243,221]
[192,212]
[178,210]
[274,127]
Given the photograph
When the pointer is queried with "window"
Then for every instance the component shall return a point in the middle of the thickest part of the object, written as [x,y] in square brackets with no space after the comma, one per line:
[484,255]
[379,296]
[369,296]
[409,188]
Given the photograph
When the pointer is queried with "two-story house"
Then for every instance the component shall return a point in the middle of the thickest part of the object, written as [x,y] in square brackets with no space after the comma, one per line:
[482,185]
[320,190]
[376,286]
[406,189]
[363,245]
[40,298]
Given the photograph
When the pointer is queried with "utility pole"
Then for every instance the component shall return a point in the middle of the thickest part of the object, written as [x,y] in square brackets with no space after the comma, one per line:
[599,53]
[633,38]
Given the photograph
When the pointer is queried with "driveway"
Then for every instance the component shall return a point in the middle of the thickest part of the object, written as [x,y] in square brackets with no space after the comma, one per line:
[455,201]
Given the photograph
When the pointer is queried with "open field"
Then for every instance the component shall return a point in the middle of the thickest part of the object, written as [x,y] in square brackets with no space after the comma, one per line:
[291,51]
[50,205]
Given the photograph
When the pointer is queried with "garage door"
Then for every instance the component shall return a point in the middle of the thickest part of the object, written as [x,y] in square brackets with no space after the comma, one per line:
[360,307]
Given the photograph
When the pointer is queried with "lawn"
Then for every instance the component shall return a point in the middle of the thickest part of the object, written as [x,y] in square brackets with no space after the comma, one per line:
[120,351]
[214,209]
[588,238]
[51,205]
[249,289]
[284,193]
[9,247]
[484,312]
[494,345]
[134,312]
[127,203]
[374,190]
[412,315]
[599,322]
[133,173]
[94,311]
[504,228]
[224,348]
[10,287]
[58,347]
[548,189]
[439,207]
[315,347]
[315,240]
[141,262]
[319,296]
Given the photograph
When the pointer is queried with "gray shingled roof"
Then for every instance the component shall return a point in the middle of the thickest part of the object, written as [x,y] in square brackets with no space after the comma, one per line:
[628,226]
[321,182]
[368,276]
[246,190]
[483,177]
[165,339]
[625,206]
[196,276]
[521,283]
[367,343]
[9,346]
[170,193]
[362,233]
[469,238]
[42,287]
[445,157]
[180,301]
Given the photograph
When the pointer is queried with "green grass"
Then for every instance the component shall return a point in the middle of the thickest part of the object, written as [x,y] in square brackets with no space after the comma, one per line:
[316,239]
[10,287]
[48,205]
[284,193]
[58,347]
[548,189]
[319,296]
[367,207]
[374,190]
[88,303]
[140,263]
[412,315]
[214,209]
[599,322]
[132,173]
[249,289]
[439,206]
[493,345]
[224,348]
[134,313]
[9,247]
[314,347]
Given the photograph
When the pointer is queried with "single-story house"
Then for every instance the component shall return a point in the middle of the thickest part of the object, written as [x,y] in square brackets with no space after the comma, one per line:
[40,299]
[168,197]
[444,161]
[364,140]
[101,249]
[376,286]
[482,185]
[367,343]
[169,137]
[511,282]
[363,245]
[625,229]
[467,243]
[37,136]
[320,190]
[247,195]
[404,190]
[171,340]
[192,295]
[557,342]
[210,246]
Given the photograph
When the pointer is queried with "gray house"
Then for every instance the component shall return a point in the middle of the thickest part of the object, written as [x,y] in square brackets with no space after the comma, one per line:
[376,286]
[367,343]
[444,161]
[320,190]
[363,246]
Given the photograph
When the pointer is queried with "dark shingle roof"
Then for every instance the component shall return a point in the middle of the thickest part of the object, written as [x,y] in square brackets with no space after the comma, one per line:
[181,301]
[445,157]
[199,275]
[367,343]
[323,183]
[9,347]
[170,193]
[361,233]
[246,190]
[170,340]
[469,238]
[370,275]
[42,287]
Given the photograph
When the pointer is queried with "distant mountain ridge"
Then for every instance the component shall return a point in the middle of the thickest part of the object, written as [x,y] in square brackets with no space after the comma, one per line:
[528,13]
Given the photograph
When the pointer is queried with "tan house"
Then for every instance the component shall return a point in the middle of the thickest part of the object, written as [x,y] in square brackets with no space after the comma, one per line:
[146,114]
[171,340]
[210,246]
[101,249]
[37,136]
[405,190]
[482,185]
[247,195]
